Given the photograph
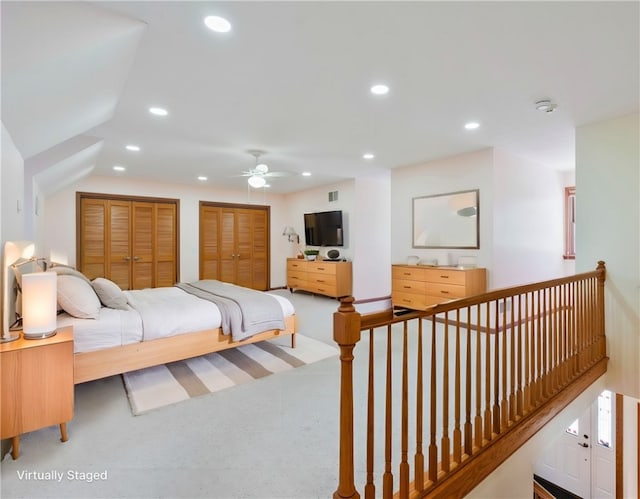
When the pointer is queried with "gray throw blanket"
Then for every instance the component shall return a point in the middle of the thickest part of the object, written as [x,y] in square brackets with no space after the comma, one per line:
[244,311]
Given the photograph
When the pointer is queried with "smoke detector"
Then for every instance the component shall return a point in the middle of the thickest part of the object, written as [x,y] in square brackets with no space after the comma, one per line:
[546,106]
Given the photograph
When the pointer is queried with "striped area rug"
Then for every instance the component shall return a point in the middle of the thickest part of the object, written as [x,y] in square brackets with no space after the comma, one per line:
[171,383]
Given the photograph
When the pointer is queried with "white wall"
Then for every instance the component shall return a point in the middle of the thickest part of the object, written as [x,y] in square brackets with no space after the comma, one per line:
[608,228]
[60,216]
[457,173]
[12,188]
[528,224]
[317,199]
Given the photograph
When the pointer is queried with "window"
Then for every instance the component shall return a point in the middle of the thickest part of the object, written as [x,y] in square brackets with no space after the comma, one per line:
[570,223]
[605,419]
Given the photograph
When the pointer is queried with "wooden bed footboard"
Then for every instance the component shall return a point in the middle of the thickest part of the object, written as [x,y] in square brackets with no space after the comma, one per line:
[89,366]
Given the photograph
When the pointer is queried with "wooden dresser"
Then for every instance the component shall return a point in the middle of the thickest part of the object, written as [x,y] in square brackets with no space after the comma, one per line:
[321,277]
[418,288]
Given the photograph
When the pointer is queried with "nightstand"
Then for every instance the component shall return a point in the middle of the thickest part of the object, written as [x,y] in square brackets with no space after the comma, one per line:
[37,385]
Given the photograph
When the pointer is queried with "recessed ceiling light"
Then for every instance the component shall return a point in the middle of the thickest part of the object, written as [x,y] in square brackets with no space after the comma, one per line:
[132,147]
[379,89]
[217,24]
[158,111]
[119,168]
[306,174]
[368,155]
[202,178]
[472,125]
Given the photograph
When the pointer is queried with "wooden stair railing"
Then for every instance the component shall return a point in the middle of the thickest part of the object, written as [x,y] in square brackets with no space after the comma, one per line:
[477,378]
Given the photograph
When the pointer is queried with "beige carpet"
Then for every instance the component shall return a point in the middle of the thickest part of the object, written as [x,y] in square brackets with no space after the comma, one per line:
[167,384]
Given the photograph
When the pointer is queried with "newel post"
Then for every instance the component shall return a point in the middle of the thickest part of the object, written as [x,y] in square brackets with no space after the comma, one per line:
[346,333]
[601,279]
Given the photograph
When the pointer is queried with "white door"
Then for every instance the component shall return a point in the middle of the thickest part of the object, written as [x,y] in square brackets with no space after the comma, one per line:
[582,459]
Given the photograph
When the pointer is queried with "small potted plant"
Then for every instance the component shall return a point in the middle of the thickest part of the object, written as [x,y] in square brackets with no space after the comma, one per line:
[311,254]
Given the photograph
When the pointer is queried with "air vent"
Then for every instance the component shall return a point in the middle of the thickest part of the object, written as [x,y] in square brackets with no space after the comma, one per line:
[333,196]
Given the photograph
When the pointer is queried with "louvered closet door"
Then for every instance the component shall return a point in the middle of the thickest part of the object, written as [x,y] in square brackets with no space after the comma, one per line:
[142,245]
[131,241]
[251,268]
[209,242]
[234,245]
[92,255]
[119,243]
[228,249]
[165,247]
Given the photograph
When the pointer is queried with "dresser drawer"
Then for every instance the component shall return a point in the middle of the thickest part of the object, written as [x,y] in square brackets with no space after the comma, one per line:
[321,288]
[408,273]
[447,291]
[409,300]
[445,276]
[322,268]
[322,279]
[296,265]
[409,286]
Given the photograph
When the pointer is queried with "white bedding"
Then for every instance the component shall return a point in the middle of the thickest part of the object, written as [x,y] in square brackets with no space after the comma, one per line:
[153,313]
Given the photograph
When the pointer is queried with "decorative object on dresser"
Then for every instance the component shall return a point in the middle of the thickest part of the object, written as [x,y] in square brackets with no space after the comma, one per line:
[450,220]
[37,386]
[329,278]
[311,254]
[417,288]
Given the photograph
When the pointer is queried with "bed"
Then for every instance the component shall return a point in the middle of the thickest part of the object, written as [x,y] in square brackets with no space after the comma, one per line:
[117,331]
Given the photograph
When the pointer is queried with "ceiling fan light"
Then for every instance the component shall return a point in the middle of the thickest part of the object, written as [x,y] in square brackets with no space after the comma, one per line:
[262,168]
[256,181]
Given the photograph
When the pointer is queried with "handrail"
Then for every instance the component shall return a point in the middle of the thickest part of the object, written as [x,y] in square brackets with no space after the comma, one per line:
[476,377]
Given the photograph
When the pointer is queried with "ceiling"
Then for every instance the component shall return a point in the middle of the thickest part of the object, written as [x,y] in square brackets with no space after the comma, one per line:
[293,79]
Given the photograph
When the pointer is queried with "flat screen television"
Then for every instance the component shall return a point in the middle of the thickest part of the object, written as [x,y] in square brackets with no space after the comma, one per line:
[323,228]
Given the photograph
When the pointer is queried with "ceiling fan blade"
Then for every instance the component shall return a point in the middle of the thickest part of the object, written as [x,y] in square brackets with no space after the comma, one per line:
[278,174]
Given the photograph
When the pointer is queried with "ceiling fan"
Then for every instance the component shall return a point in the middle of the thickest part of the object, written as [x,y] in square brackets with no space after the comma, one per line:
[258,173]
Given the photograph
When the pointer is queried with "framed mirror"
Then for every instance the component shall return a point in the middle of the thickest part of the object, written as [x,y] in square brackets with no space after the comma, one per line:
[450,220]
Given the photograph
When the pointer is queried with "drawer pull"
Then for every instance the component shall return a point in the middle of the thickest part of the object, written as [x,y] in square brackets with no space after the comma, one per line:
[444,292]
[320,268]
[406,273]
[406,287]
[444,277]
[320,280]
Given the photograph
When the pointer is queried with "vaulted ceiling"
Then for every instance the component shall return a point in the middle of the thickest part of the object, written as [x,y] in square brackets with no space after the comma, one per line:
[293,78]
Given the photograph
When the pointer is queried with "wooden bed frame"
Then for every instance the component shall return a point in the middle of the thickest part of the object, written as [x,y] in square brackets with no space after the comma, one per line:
[89,366]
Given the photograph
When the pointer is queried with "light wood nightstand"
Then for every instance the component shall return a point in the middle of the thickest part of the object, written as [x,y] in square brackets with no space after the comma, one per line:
[37,385]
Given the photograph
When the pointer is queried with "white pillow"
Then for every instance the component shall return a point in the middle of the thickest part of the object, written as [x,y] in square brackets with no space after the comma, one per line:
[77,297]
[109,293]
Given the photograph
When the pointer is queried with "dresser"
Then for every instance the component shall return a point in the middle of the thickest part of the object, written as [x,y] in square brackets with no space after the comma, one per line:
[37,385]
[326,277]
[415,287]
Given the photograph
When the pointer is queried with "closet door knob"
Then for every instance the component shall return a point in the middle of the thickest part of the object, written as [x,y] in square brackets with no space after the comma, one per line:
[127,258]
[136,258]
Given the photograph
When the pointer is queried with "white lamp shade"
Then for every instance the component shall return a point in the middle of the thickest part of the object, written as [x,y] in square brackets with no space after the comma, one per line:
[256,181]
[39,303]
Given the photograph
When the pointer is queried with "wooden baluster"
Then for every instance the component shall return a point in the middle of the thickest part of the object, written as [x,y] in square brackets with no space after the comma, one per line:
[418,462]
[504,404]
[520,366]
[433,447]
[538,347]
[496,374]
[528,356]
[457,434]
[468,428]
[574,330]
[370,488]
[553,340]
[404,423]
[477,423]
[488,433]
[387,477]
[580,326]
[564,329]
[545,346]
[346,333]
[512,392]
[445,444]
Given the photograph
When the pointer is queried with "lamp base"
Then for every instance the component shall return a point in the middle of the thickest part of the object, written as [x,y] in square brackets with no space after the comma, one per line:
[39,336]
[9,337]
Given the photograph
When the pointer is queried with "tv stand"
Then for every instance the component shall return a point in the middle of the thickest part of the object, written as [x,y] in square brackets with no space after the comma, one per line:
[324,277]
